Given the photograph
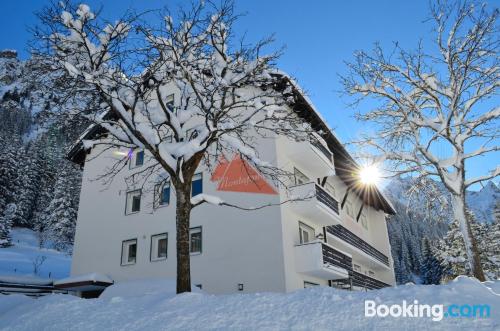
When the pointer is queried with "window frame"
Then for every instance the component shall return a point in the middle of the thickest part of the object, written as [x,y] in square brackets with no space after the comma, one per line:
[364,221]
[158,193]
[308,284]
[126,242]
[153,237]
[201,240]
[133,160]
[297,171]
[126,202]
[193,180]
[306,227]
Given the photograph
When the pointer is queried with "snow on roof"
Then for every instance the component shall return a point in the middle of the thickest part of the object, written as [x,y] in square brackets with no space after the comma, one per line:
[93,277]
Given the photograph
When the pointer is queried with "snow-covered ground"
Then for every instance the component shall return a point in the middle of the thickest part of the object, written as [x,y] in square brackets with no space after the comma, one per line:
[151,305]
[19,258]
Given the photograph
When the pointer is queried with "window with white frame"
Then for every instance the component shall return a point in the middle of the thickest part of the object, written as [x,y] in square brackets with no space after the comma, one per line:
[195,239]
[129,251]
[349,208]
[162,194]
[300,178]
[330,189]
[363,221]
[306,233]
[137,159]
[159,246]
[309,284]
[133,204]
[197,185]
[169,102]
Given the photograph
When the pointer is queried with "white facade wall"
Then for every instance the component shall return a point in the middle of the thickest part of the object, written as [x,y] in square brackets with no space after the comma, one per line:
[253,248]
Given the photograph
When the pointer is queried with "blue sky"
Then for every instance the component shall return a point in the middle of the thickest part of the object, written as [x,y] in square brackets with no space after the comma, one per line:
[319,36]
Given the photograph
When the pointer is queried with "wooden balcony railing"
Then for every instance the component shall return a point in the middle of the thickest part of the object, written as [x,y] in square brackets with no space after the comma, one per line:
[342,233]
[336,258]
[325,198]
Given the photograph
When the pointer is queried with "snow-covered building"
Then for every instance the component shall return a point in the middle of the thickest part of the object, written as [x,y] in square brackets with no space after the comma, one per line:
[337,237]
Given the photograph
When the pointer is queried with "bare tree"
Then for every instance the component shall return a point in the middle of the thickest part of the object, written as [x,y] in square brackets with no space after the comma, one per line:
[227,95]
[436,110]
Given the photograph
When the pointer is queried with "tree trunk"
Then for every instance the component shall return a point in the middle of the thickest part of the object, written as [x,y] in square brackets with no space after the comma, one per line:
[183,212]
[473,254]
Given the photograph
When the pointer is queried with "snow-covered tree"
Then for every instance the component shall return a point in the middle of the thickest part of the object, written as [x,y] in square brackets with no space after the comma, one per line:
[60,214]
[227,95]
[6,225]
[452,254]
[431,270]
[434,113]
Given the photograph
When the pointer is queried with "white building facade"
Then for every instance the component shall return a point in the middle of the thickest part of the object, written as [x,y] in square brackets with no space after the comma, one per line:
[337,237]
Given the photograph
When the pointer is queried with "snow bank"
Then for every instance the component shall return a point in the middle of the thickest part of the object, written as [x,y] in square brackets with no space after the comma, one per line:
[136,306]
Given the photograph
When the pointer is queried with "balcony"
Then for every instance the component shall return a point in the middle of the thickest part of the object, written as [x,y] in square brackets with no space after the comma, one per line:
[368,253]
[320,260]
[315,203]
[313,156]
[359,280]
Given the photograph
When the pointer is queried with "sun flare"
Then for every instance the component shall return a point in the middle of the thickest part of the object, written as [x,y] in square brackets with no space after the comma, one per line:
[369,175]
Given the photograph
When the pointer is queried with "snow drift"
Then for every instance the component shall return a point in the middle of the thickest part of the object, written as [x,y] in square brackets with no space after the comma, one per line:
[319,308]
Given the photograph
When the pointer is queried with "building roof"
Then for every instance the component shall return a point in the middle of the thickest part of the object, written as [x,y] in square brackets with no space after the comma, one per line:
[345,166]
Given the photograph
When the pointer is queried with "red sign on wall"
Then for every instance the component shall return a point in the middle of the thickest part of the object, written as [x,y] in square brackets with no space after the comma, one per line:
[239,176]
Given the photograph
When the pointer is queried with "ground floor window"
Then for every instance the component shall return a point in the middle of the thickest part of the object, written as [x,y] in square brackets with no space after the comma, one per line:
[306,233]
[129,251]
[159,244]
[309,284]
[195,240]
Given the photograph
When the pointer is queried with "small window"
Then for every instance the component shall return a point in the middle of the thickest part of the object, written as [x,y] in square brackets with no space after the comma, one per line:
[356,267]
[197,185]
[159,244]
[133,202]
[349,209]
[169,102]
[191,134]
[364,222]
[137,159]
[309,284]
[129,251]
[162,194]
[330,189]
[300,178]
[306,233]
[195,240]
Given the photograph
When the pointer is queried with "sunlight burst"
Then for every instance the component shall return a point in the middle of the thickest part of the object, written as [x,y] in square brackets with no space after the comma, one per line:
[369,175]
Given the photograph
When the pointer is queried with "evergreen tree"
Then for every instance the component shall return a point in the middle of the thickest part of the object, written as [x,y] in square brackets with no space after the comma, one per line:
[6,225]
[431,270]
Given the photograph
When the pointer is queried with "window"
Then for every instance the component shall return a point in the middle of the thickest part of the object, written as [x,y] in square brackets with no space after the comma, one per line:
[300,178]
[191,134]
[195,240]
[169,102]
[309,284]
[197,185]
[364,222]
[162,194]
[356,267]
[137,159]
[330,189]
[129,251]
[306,233]
[133,202]
[349,209]
[159,244]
